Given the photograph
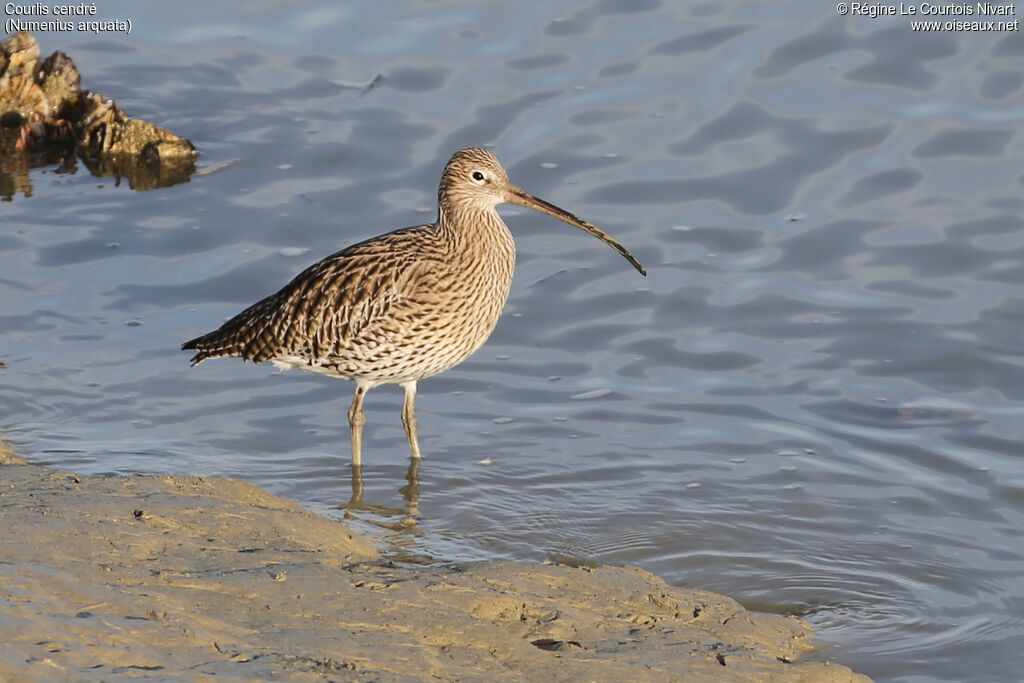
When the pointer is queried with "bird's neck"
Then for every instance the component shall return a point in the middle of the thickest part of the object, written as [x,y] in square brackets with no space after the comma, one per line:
[480,250]
[472,228]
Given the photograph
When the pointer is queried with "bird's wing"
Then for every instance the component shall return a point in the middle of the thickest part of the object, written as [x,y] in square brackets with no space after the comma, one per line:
[336,302]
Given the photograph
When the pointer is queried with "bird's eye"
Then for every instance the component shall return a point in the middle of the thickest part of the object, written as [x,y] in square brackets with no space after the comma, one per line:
[478,176]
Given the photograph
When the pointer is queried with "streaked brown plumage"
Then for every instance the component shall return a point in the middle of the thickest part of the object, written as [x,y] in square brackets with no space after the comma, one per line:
[401,306]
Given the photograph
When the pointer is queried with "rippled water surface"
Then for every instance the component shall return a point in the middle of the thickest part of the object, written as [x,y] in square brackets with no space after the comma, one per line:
[814,403]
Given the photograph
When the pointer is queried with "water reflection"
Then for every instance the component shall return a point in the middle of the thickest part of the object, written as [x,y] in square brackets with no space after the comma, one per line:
[15,167]
[408,515]
[398,529]
[141,173]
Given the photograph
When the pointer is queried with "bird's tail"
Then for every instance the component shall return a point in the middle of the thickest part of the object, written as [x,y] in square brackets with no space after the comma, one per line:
[212,345]
[241,336]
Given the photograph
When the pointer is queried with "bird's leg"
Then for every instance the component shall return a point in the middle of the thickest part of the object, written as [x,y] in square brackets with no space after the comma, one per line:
[409,417]
[356,420]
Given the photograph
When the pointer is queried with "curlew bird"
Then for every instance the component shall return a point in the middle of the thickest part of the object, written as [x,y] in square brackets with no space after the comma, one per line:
[401,306]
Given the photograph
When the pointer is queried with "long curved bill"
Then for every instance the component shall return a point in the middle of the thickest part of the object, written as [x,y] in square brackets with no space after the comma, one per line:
[516,196]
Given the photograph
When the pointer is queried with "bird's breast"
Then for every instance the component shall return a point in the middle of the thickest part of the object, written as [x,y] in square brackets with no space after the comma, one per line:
[441,307]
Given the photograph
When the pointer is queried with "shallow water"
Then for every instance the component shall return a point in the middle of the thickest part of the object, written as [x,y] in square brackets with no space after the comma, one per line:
[812,404]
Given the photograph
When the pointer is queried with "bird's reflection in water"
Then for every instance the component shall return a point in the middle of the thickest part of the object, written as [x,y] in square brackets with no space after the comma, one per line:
[406,517]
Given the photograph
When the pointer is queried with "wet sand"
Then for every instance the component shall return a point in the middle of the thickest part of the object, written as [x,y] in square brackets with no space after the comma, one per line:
[189,578]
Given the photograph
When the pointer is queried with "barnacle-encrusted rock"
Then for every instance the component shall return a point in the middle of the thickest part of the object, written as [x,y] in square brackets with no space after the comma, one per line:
[46,117]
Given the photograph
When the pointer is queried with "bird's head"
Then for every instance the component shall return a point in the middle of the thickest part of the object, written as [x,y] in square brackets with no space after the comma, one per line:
[474,181]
